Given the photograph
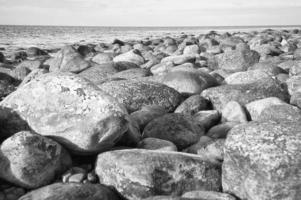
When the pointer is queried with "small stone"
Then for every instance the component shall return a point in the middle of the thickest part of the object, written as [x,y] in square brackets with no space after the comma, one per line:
[77,178]
[234,112]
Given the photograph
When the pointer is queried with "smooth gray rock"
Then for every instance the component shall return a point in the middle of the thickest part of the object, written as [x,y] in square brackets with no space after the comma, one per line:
[180,129]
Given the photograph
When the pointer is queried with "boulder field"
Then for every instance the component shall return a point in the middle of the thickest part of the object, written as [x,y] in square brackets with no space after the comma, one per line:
[191,117]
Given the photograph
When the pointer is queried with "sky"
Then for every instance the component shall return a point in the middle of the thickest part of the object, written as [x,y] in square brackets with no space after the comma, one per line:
[150,12]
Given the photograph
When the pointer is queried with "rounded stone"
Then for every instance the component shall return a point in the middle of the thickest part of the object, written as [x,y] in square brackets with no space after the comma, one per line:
[71,110]
[138,174]
[181,130]
[262,161]
[31,161]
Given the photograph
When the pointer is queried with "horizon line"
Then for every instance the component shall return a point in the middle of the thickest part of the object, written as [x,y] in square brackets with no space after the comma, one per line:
[121,26]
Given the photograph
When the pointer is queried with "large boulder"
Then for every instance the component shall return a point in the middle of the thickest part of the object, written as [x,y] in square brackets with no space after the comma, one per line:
[182,130]
[71,191]
[135,94]
[237,60]
[31,161]
[262,161]
[245,93]
[138,174]
[68,60]
[71,110]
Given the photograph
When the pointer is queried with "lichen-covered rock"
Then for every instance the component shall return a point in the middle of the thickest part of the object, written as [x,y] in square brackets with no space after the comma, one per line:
[138,174]
[237,60]
[134,94]
[180,129]
[71,110]
[262,161]
[207,195]
[245,93]
[188,82]
[99,73]
[280,113]
[157,144]
[133,56]
[68,60]
[31,161]
[71,191]
[255,108]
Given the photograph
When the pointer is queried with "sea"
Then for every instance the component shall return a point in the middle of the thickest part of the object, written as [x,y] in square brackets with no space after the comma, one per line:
[16,38]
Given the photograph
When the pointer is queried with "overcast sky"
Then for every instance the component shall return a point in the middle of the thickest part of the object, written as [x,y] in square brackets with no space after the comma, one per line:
[151,12]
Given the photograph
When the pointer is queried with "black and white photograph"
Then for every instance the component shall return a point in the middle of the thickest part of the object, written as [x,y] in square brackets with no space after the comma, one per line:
[150,99]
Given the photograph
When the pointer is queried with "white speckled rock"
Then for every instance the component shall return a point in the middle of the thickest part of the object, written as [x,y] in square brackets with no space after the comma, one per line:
[255,108]
[71,191]
[71,110]
[263,161]
[31,161]
[135,94]
[138,174]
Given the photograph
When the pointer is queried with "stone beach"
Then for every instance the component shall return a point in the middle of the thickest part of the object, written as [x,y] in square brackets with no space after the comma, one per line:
[215,116]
